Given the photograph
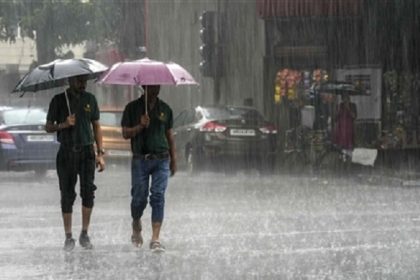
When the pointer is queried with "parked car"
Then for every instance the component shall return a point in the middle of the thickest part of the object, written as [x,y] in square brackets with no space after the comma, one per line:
[116,147]
[224,137]
[24,143]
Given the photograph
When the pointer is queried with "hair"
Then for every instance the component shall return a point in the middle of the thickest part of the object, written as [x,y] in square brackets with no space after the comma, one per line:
[151,86]
[78,77]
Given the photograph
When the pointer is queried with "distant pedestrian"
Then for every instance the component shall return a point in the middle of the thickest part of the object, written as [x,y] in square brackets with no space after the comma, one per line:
[345,117]
[153,148]
[77,131]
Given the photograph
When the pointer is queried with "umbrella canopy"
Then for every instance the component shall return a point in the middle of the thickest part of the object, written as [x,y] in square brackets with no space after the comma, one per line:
[147,72]
[56,73]
[336,87]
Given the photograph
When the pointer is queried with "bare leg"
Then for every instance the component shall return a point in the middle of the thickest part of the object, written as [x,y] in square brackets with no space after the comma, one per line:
[84,239]
[136,237]
[156,230]
[136,225]
[86,213]
[155,244]
[69,242]
[67,222]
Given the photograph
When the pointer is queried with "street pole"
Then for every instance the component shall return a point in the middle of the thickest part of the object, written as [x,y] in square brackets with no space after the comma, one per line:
[216,64]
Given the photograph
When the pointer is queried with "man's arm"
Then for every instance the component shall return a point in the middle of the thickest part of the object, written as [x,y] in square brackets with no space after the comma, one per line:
[172,151]
[97,132]
[130,132]
[53,127]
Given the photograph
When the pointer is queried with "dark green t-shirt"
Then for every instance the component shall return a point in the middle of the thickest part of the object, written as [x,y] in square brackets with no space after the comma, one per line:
[86,109]
[151,139]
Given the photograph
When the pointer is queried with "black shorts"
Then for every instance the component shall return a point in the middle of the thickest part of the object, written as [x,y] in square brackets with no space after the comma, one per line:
[70,164]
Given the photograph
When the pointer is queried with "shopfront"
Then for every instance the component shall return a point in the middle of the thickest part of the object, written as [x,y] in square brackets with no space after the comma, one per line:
[305,42]
[366,42]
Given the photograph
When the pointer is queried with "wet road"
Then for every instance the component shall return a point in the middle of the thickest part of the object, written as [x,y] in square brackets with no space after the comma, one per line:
[219,227]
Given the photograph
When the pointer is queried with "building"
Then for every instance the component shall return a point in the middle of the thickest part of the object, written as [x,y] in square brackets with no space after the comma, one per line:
[257,39]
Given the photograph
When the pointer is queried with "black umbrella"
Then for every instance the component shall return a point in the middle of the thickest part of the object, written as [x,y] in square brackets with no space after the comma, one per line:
[56,73]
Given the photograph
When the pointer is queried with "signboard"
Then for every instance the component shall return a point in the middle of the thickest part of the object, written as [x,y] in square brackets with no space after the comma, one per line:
[369,80]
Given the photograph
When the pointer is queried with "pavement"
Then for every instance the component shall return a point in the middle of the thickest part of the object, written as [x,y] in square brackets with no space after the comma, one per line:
[242,226]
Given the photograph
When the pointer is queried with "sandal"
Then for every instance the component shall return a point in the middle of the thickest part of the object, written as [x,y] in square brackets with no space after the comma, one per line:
[136,237]
[156,246]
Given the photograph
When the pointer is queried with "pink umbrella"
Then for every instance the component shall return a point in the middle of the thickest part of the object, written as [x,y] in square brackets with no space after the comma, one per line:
[147,72]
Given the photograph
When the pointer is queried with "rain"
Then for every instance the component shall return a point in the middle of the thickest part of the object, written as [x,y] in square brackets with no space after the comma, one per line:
[273,186]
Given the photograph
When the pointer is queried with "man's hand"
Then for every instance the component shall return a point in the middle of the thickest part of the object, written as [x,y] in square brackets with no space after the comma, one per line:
[71,120]
[144,120]
[100,163]
[172,167]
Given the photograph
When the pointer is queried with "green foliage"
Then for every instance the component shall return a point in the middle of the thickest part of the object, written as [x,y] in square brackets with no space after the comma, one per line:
[65,22]
[58,23]
[105,20]
[8,20]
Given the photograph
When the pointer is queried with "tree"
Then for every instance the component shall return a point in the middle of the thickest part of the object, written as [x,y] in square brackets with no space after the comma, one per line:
[121,23]
[132,32]
[54,24]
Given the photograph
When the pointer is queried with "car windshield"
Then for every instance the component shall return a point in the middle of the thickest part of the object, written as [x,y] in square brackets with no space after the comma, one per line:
[24,116]
[232,113]
[111,118]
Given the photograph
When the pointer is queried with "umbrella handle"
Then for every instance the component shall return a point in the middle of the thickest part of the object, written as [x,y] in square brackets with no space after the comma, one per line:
[145,100]
[67,102]
[145,94]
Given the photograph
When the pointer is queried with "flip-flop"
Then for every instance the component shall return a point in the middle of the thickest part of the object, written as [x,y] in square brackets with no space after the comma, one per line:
[156,246]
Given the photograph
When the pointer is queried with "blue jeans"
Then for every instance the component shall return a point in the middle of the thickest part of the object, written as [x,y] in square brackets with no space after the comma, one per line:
[141,171]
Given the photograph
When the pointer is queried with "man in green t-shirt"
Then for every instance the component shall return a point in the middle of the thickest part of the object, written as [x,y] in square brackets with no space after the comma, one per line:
[153,147]
[74,115]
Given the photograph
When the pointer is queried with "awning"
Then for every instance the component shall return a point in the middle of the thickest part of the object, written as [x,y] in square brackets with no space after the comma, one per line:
[308,8]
